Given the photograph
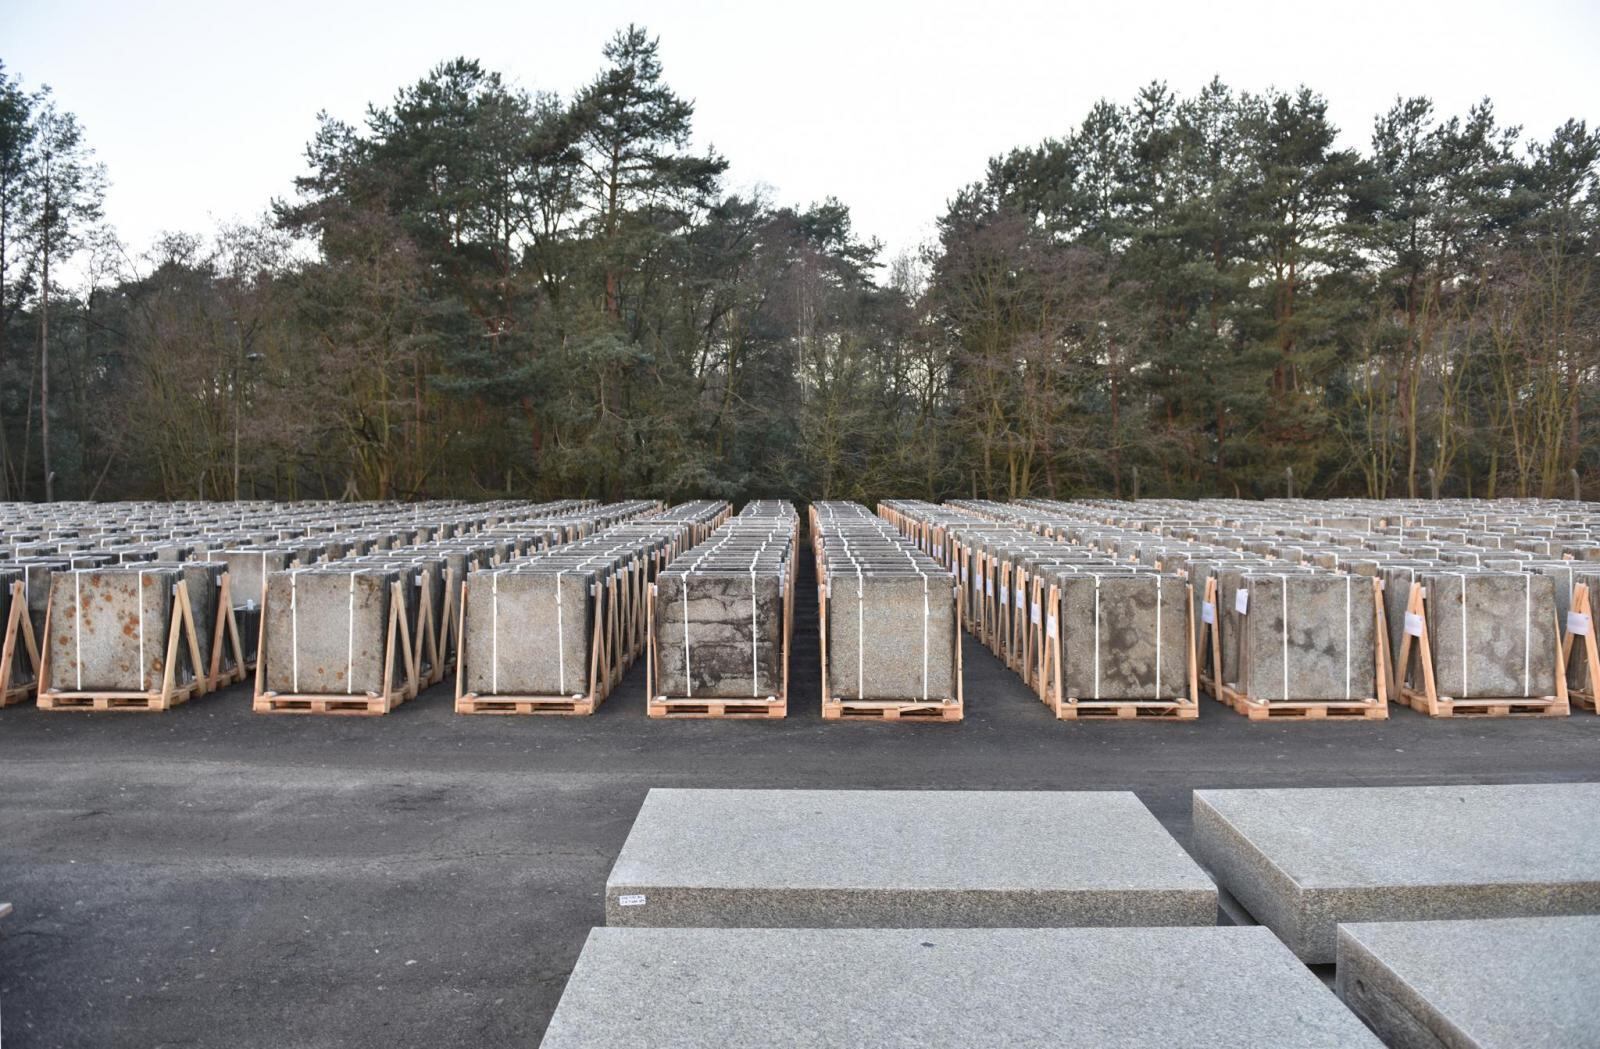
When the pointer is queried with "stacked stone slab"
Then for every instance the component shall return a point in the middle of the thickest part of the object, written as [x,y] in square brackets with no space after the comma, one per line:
[920,859]
[1418,986]
[720,623]
[947,989]
[891,644]
[553,633]
[1302,861]
[362,634]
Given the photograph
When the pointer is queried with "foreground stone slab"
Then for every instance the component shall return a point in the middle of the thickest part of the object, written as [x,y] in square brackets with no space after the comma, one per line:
[1305,860]
[947,988]
[885,858]
[1509,983]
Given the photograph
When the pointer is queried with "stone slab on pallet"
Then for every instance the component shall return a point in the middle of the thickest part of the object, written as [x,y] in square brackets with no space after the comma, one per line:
[864,859]
[109,629]
[327,631]
[1507,983]
[946,989]
[1303,860]
[891,636]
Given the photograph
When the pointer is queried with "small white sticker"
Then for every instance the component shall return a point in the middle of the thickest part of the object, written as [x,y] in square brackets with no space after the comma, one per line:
[1050,626]
[1005,594]
[1019,597]
[630,901]
[1413,624]
[1241,601]
[938,551]
[1577,623]
[1036,613]
[991,586]
[1208,612]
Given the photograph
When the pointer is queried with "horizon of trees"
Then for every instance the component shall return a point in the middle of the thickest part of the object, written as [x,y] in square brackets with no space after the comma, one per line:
[480,291]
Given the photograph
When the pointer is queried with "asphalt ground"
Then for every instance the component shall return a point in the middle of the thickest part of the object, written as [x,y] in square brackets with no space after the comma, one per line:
[212,877]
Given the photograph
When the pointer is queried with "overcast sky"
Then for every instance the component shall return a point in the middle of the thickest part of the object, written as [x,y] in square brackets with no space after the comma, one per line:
[201,110]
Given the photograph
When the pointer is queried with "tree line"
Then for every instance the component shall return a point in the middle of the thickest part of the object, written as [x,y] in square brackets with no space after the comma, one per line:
[480,291]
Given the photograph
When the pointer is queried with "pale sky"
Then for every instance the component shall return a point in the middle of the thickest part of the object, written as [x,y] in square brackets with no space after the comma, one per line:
[201,110]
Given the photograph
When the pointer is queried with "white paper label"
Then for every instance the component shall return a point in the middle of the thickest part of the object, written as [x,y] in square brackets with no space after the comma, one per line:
[1208,612]
[1036,613]
[1577,623]
[991,586]
[1241,601]
[1050,626]
[1019,597]
[938,550]
[630,901]
[1005,594]
[1413,624]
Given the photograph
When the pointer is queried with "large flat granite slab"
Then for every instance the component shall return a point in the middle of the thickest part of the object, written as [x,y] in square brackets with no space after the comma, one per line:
[1237,988]
[1302,860]
[1507,983]
[908,859]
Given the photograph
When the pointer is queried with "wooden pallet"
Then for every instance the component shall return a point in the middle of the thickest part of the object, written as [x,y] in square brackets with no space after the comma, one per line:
[171,692]
[18,649]
[154,701]
[890,710]
[472,703]
[685,707]
[1428,700]
[369,704]
[1376,709]
[397,648]
[1110,710]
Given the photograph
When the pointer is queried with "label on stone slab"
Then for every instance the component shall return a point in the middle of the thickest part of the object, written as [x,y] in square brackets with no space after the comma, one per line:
[1578,623]
[1005,594]
[991,586]
[1413,624]
[1019,597]
[1050,626]
[1208,612]
[1241,601]
[1036,613]
[631,901]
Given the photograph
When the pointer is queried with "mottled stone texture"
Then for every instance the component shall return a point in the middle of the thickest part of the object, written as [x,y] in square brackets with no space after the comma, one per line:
[1417,985]
[327,631]
[1492,633]
[248,569]
[1304,860]
[1109,630]
[802,858]
[521,641]
[109,629]
[1308,636]
[719,635]
[891,636]
[1217,988]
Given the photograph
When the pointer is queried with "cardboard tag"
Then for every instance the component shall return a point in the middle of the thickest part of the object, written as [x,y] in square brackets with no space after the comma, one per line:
[1413,624]
[1241,601]
[1578,623]
[1208,612]
[631,900]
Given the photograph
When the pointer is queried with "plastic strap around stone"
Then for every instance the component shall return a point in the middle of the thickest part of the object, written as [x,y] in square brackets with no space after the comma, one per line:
[77,615]
[1096,634]
[561,638]
[1527,635]
[1465,691]
[1160,586]
[1347,595]
[1284,595]
[688,678]
[494,633]
[350,639]
[294,627]
[861,633]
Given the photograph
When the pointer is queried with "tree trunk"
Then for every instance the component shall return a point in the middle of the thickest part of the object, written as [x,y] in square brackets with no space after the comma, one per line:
[44,372]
